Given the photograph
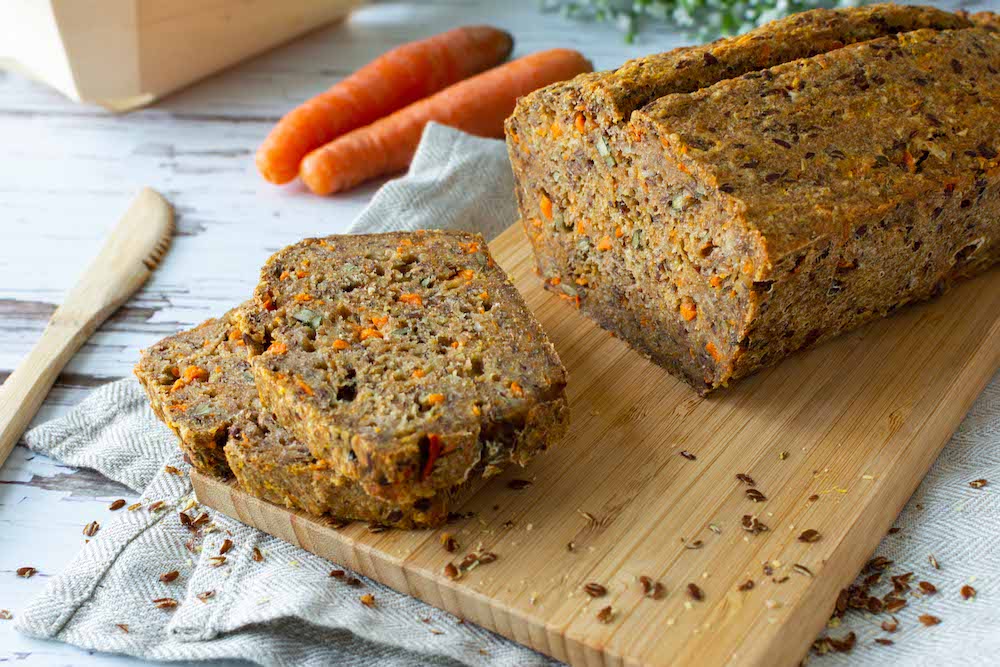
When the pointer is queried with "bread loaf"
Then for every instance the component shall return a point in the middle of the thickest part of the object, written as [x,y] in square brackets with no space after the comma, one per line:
[723,206]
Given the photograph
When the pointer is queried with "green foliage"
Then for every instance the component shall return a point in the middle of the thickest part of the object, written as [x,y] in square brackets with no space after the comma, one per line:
[704,18]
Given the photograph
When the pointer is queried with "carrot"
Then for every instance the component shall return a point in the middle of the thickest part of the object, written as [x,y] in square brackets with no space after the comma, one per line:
[393,80]
[478,105]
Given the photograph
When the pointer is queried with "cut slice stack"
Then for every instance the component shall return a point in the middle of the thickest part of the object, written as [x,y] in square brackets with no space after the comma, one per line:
[370,377]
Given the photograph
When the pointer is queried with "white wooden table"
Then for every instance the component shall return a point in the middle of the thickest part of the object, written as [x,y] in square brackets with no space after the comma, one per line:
[69,171]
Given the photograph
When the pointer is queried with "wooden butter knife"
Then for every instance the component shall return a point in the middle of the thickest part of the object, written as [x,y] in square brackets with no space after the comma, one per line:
[127,259]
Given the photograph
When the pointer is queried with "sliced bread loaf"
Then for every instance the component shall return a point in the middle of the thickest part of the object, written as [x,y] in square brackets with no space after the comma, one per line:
[722,206]
[406,361]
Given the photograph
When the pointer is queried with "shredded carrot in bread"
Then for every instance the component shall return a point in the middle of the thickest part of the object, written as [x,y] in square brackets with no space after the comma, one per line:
[433,452]
[370,333]
[418,373]
[192,373]
[714,351]
[467,274]
[580,123]
[284,275]
[545,206]
[689,310]
[516,389]
[380,321]
[605,243]
[304,387]
[277,347]
[340,344]
[435,399]
[302,297]
[412,299]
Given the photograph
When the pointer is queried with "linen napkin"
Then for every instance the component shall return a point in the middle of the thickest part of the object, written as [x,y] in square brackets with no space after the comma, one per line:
[286,610]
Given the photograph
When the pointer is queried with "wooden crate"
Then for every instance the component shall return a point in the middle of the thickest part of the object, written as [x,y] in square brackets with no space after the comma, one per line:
[123,54]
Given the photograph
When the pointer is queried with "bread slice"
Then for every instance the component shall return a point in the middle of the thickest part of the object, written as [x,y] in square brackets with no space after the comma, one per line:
[770,211]
[196,381]
[199,383]
[406,361]
[272,465]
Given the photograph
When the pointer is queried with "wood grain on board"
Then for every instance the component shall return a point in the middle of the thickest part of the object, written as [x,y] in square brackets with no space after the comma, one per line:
[836,440]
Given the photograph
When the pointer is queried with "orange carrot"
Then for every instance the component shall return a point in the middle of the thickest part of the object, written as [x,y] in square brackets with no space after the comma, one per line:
[400,77]
[478,105]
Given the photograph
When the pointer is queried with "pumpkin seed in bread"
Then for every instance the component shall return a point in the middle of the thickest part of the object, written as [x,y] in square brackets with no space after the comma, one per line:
[404,360]
[196,381]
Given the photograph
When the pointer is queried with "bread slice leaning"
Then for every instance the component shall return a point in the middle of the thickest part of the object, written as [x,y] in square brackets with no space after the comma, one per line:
[199,384]
[405,361]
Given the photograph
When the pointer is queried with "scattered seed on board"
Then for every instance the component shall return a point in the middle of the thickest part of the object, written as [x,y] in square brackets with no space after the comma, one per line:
[755,495]
[205,596]
[5,615]
[968,592]
[91,529]
[652,589]
[928,620]
[518,484]
[695,593]
[122,626]
[810,536]
[257,555]
[117,505]
[26,572]
[368,600]
[165,603]
[595,590]
[688,455]
[449,543]
[978,483]
[168,577]
[227,544]
[606,614]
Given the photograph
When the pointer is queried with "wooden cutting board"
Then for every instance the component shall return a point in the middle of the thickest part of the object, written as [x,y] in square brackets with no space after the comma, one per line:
[836,439]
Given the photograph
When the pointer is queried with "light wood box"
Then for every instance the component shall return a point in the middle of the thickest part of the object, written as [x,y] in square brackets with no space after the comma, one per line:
[123,54]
